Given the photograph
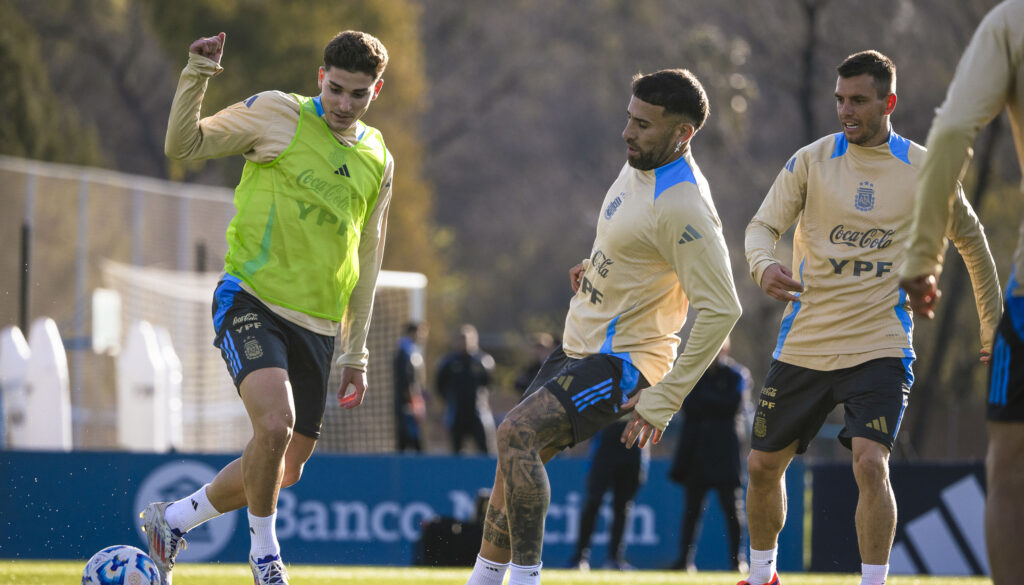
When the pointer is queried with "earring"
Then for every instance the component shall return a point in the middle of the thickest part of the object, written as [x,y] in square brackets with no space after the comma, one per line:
[678,146]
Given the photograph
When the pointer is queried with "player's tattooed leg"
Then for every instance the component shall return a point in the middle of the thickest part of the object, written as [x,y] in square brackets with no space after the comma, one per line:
[539,422]
[496,528]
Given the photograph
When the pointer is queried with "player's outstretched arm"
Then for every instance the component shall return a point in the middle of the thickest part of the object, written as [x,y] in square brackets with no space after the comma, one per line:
[777,282]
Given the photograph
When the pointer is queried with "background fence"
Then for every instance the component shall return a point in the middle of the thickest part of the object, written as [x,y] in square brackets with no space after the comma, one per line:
[159,244]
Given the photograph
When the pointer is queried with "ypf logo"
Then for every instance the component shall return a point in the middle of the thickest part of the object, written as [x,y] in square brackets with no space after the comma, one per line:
[176,480]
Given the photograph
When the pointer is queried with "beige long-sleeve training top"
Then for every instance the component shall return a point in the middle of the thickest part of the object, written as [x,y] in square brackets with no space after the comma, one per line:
[854,208]
[659,248]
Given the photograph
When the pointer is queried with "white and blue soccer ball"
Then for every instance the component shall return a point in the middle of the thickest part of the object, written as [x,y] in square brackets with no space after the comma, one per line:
[120,565]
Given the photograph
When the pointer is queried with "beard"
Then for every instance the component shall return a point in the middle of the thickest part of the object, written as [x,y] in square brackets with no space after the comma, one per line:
[650,160]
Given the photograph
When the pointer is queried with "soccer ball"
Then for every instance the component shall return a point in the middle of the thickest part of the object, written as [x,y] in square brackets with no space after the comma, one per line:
[120,565]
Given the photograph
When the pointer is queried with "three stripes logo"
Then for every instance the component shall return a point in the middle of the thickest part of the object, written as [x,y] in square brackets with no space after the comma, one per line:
[343,171]
[690,234]
[948,539]
[565,382]
[596,393]
[879,425]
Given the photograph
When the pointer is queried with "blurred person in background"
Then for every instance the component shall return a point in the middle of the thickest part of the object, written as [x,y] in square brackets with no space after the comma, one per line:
[846,333]
[409,371]
[316,179]
[541,345]
[989,79]
[716,415]
[463,380]
[621,470]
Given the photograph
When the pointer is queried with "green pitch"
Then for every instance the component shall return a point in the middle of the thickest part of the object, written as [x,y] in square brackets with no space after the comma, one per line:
[67,572]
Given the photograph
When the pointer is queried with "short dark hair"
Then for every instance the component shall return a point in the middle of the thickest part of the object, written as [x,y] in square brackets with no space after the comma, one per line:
[676,90]
[873,63]
[357,51]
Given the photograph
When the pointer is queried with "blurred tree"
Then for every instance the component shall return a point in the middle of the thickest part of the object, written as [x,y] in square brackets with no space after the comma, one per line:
[527,107]
[279,45]
[101,54]
[37,122]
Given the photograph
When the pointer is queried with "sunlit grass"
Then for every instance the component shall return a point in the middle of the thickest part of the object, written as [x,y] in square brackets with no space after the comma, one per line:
[66,572]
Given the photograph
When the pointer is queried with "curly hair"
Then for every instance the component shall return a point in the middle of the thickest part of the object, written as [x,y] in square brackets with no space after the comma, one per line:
[357,51]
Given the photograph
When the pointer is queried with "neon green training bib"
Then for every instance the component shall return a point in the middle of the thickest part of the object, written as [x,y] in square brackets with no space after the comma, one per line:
[295,236]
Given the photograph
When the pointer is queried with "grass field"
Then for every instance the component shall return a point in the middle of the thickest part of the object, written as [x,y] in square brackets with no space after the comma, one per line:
[69,572]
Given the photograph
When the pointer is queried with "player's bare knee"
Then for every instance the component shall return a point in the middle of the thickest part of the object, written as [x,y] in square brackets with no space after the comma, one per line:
[273,431]
[870,469]
[765,469]
[511,434]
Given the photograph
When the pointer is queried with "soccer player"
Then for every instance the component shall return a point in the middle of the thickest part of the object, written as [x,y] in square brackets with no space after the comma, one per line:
[659,248]
[304,252]
[989,78]
[846,332]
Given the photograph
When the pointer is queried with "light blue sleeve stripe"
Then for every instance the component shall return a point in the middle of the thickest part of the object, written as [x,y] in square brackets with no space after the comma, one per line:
[225,295]
[908,324]
[630,375]
[787,323]
[1015,305]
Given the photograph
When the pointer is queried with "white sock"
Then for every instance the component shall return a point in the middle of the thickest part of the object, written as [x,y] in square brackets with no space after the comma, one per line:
[519,575]
[263,536]
[873,574]
[187,513]
[487,572]
[762,566]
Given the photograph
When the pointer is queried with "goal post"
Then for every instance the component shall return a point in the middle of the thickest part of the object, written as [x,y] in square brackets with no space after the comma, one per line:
[213,418]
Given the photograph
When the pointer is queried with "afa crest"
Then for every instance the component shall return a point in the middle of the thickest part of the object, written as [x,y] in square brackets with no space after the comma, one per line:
[865,199]
[614,206]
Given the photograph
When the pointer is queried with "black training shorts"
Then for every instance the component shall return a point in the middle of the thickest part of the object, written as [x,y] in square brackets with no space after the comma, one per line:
[251,337]
[795,402]
[591,389]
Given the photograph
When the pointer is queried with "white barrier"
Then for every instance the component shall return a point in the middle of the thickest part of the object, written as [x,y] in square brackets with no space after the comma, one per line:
[47,390]
[142,392]
[14,355]
[173,376]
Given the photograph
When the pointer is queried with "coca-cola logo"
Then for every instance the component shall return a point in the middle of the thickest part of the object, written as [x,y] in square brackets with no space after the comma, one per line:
[872,238]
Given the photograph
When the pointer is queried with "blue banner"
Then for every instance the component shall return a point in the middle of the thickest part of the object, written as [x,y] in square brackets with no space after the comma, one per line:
[346,510]
[940,527]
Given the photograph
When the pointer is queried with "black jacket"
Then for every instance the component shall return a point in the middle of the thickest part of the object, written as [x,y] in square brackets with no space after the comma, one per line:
[714,418]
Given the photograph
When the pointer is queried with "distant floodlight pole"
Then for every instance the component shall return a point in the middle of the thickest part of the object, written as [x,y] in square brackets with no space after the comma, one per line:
[26,252]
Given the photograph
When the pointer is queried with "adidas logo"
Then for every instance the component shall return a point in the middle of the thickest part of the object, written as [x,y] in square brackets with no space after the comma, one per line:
[948,539]
[879,425]
[195,505]
[690,235]
[343,171]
